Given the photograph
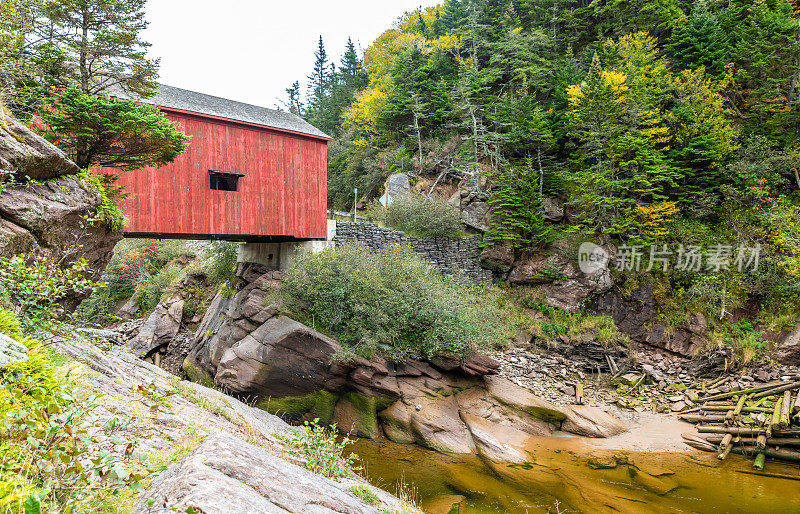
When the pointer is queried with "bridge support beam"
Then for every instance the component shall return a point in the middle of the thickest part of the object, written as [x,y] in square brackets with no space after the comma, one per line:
[281,256]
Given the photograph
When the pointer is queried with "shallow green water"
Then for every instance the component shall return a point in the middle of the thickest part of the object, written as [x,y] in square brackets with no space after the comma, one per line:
[565,475]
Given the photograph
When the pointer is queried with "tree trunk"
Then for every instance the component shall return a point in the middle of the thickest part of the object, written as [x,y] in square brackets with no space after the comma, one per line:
[541,170]
[84,50]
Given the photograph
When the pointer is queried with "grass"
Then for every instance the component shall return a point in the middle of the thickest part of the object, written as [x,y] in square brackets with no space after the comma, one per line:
[365,494]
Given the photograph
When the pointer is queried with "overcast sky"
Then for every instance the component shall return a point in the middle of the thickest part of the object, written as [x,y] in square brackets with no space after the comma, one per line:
[252,50]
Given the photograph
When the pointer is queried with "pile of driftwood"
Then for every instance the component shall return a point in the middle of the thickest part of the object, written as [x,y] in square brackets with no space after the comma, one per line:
[760,422]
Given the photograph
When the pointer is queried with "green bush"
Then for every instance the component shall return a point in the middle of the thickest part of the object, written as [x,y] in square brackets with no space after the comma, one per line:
[322,451]
[424,217]
[140,267]
[34,285]
[391,302]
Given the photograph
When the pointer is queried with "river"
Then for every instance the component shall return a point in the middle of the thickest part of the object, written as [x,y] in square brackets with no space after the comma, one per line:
[572,474]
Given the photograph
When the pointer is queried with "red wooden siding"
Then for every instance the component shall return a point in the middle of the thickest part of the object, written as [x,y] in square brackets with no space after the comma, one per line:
[283,193]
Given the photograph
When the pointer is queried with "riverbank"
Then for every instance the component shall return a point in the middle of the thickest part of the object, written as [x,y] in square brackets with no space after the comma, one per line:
[202,450]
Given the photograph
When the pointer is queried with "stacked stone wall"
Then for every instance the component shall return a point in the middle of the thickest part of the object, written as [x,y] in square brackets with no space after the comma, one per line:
[446,254]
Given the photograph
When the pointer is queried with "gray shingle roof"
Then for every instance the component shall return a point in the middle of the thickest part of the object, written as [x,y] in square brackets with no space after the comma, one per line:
[183,99]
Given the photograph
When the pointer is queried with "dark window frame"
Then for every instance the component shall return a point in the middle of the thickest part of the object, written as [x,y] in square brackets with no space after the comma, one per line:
[224,180]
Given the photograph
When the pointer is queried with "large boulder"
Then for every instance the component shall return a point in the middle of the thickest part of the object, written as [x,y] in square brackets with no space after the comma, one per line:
[226,474]
[508,393]
[396,185]
[553,209]
[26,155]
[56,218]
[476,215]
[280,358]
[788,351]
[160,328]
[499,259]
[11,351]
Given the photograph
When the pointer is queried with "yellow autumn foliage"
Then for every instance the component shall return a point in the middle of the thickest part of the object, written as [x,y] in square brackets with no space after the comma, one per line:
[655,217]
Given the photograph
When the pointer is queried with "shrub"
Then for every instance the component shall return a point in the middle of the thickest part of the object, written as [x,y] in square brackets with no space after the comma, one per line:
[322,451]
[34,285]
[393,303]
[221,267]
[419,216]
[137,268]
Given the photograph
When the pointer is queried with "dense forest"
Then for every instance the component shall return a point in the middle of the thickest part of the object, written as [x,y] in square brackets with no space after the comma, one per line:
[664,122]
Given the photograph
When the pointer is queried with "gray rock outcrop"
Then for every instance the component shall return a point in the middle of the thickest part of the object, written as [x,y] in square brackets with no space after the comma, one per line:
[563,283]
[226,474]
[53,215]
[637,315]
[11,351]
[788,351]
[24,154]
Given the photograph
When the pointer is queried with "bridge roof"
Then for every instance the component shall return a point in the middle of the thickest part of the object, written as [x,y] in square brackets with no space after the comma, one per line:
[171,97]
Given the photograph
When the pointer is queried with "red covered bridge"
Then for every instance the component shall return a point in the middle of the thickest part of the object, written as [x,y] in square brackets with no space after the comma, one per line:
[250,174]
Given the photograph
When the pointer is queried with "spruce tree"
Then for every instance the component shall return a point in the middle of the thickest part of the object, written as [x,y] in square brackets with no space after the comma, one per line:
[97,46]
[319,80]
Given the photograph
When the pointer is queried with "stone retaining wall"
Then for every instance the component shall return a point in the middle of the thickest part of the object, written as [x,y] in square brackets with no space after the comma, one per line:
[445,254]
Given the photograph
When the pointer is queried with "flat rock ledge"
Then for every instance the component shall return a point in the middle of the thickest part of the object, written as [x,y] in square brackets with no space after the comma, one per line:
[226,474]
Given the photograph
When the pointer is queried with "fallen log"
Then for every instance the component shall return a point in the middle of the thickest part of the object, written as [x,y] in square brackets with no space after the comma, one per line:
[729,394]
[786,407]
[774,424]
[790,455]
[697,418]
[775,441]
[777,390]
[759,462]
[704,429]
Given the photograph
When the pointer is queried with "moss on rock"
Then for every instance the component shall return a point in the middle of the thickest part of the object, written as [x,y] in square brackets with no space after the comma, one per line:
[318,405]
[197,375]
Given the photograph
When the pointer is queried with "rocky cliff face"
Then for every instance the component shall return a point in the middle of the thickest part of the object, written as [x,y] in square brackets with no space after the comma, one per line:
[246,347]
[45,208]
[637,315]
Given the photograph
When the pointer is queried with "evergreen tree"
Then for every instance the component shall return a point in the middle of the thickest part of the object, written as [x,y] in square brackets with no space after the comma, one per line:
[294,102]
[319,80]
[96,45]
[99,131]
[700,41]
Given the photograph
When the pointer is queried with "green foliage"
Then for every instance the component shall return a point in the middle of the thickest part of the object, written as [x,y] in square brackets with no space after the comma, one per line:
[9,323]
[221,263]
[517,212]
[51,462]
[94,45]
[417,215]
[143,268]
[322,451]
[34,285]
[107,132]
[392,303]
[108,213]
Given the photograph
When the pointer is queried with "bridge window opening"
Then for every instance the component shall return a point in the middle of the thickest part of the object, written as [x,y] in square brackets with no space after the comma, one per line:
[224,181]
